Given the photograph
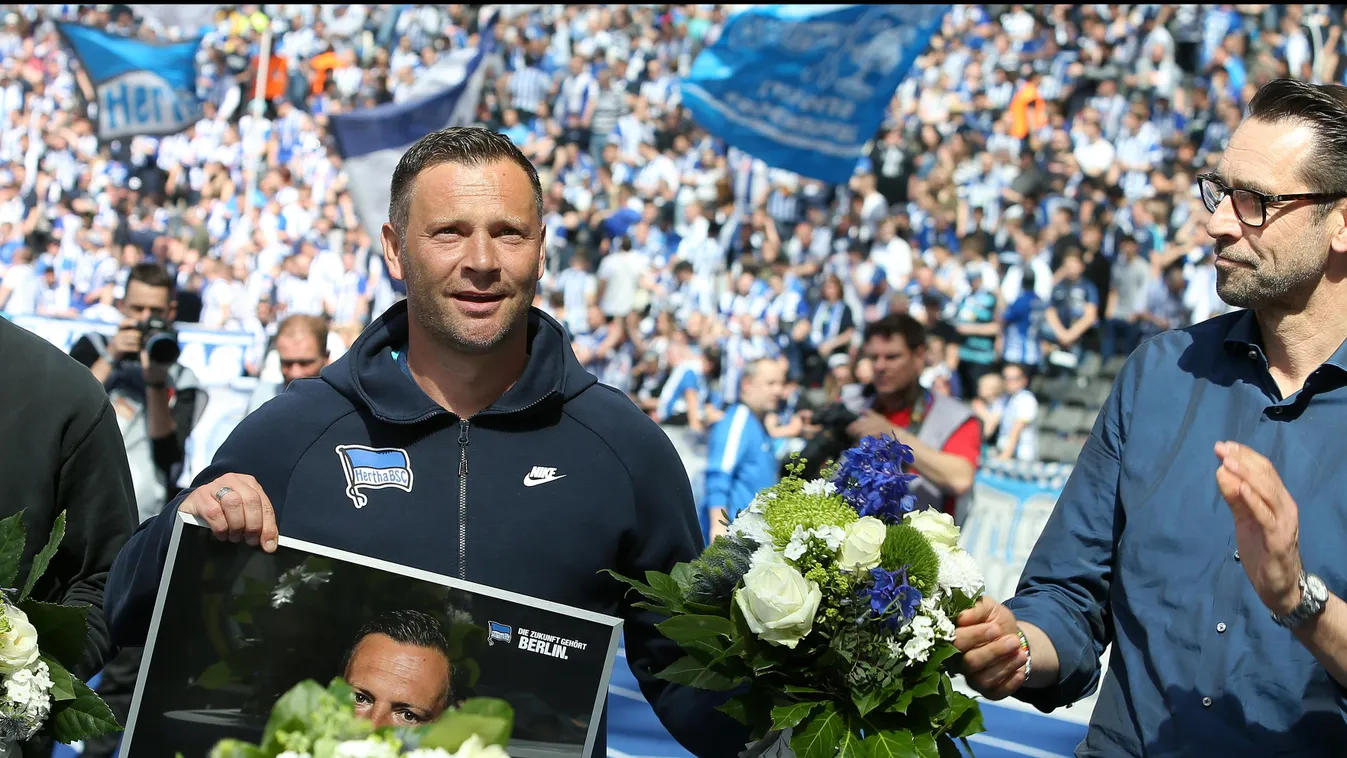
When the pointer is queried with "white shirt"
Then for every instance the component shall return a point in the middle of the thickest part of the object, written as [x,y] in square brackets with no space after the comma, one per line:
[621,273]
[1022,406]
[22,282]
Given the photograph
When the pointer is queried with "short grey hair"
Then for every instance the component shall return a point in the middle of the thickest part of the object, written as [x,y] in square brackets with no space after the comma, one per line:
[464,145]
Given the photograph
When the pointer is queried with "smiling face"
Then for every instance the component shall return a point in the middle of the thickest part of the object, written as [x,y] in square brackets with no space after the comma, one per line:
[1282,261]
[473,254]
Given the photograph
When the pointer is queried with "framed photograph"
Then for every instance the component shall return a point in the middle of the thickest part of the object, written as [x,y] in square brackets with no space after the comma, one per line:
[234,628]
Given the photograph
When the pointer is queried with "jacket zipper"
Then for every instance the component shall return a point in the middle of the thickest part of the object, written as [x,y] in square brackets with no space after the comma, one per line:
[463,499]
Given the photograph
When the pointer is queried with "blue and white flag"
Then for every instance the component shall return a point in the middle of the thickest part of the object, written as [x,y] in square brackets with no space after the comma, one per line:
[374,469]
[804,88]
[142,88]
[372,141]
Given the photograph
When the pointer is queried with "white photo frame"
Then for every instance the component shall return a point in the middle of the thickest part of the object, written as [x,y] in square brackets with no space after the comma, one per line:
[570,651]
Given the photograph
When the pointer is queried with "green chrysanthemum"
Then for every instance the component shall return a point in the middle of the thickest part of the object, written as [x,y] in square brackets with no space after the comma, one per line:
[905,546]
[791,507]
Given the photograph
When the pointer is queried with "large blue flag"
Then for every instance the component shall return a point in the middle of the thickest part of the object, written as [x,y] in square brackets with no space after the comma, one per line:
[805,87]
[372,141]
[142,88]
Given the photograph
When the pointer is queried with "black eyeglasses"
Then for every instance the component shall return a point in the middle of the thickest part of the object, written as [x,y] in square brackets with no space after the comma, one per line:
[1251,205]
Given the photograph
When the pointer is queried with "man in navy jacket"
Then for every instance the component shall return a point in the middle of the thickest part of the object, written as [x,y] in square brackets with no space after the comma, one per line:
[510,465]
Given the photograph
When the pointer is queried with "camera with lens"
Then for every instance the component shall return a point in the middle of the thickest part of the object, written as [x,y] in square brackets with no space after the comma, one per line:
[831,441]
[159,341]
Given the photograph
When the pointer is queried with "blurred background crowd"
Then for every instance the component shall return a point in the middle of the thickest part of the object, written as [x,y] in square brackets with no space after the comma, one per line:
[1029,197]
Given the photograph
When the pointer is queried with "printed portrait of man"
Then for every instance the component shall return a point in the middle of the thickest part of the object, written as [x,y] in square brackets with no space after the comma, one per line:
[399,666]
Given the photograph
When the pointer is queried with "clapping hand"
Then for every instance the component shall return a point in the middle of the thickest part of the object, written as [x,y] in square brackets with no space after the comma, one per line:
[1267,524]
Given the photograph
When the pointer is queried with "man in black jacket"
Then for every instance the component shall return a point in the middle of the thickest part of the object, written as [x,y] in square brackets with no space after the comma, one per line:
[460,435]
[61,450]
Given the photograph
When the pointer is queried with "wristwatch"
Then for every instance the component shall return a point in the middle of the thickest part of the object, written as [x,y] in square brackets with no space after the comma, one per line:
[1313,599]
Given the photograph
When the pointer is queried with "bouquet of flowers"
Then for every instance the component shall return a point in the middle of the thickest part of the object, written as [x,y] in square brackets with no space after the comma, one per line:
[39,644]
[309,721]
[829,609]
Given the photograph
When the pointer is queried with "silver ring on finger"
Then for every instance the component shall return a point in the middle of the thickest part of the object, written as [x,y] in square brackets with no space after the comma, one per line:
[220,493]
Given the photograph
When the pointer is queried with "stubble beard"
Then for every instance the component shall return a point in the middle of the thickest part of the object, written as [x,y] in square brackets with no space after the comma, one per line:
[435,313]
[1253,288]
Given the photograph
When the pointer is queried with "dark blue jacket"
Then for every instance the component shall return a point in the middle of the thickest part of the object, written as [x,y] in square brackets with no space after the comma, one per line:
[624,502]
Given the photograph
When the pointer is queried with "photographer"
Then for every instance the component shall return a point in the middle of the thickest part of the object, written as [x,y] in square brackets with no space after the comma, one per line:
[944,434]
[155,397]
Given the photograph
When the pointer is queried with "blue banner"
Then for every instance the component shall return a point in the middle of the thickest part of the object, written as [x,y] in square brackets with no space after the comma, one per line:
[141,88]
[805,87]
[1012,501]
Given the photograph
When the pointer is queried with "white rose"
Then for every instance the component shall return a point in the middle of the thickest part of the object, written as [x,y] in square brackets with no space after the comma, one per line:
[860,546]
[938,528]
[778,602]
[18,645]
[476,748]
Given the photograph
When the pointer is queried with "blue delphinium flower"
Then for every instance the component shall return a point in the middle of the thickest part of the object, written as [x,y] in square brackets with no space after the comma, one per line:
[891,598]
[870,478]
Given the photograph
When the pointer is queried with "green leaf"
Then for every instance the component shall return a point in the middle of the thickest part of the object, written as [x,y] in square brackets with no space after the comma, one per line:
[851,746]
[43,558]
[683,574]
[217,675]
[455,728]
[736,709]
[292,710]
[869,700]
[891,744]
[659,608]
[491,708]
[965,716]
[236,749]
[84,717]
[820,735]
[11,548]
[665,588]
[919,690]
[793,689]
[926,747]
[61,629]
[787,716]
[339,689]
[693,673]
[685,629]
[62,683]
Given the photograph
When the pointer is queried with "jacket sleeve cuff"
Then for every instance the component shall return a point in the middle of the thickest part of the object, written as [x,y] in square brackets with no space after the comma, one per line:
[1078,665]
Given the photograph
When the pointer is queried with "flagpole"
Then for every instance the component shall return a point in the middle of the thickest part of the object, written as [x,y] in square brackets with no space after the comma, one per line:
[258,107]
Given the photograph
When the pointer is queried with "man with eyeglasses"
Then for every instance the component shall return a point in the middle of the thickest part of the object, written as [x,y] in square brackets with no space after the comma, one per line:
[1174,540]
[301,346]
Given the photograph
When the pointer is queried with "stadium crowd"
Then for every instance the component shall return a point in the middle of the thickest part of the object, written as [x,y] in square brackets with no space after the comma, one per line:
[1030,198]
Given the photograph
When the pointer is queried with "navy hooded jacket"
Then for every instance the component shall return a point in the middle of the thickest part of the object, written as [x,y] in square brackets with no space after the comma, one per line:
[560,478]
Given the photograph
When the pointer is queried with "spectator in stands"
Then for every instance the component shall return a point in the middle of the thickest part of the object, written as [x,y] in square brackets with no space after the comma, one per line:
[943,432]
[1127,300]
[1134,533]
[1016,436]
[301,346]
[1075,306]
[1166,307]
[740,461]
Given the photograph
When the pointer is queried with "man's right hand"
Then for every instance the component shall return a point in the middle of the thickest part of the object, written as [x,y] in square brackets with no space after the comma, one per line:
[126,341]
[243,512]
[987,635]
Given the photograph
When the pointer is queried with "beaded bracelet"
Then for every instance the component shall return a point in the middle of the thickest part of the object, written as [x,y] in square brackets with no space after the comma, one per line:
[1028,657]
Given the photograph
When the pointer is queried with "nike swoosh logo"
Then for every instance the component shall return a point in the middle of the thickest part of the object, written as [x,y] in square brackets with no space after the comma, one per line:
[529,481]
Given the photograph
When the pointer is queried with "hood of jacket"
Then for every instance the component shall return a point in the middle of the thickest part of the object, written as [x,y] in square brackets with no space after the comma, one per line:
[369,374]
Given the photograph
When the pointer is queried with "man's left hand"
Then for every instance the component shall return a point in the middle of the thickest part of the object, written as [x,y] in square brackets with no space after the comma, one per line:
[1267,524]
[872,423]
[154,372]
